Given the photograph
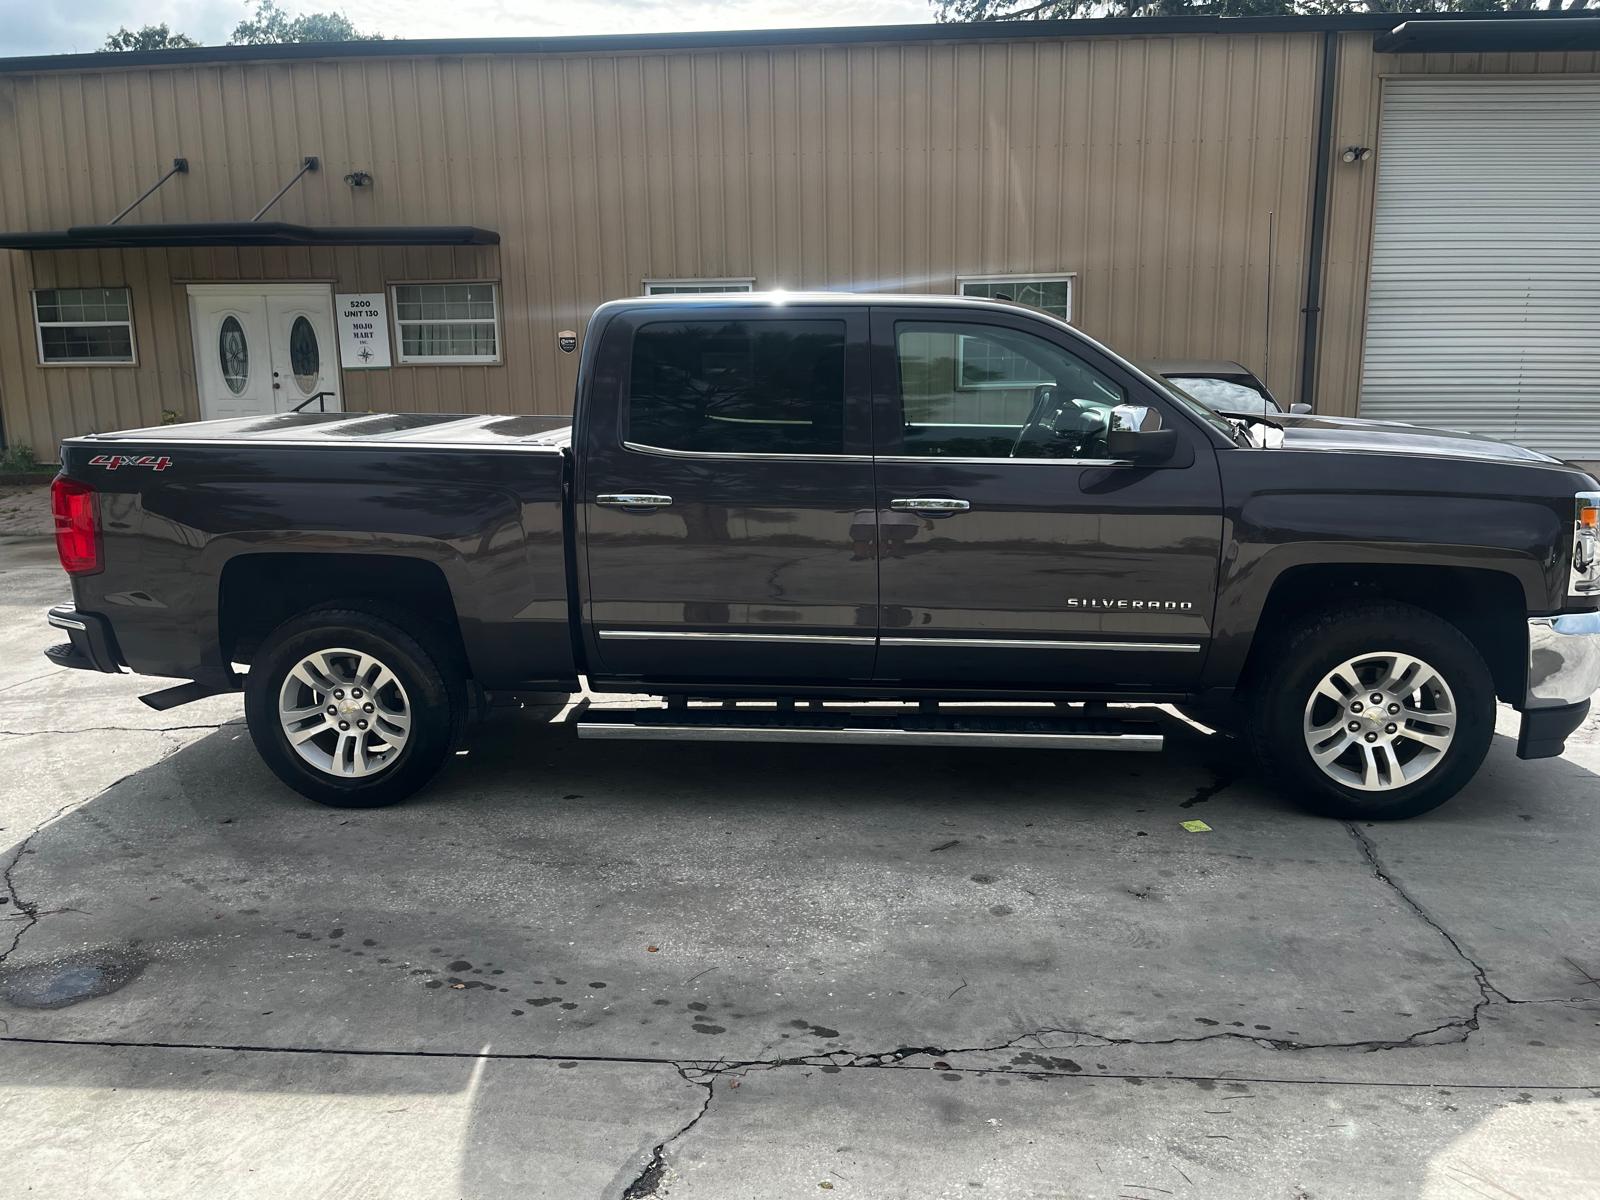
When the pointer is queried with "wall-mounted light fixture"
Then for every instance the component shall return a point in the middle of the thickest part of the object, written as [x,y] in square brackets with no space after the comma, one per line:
[358,179]
[1356,153]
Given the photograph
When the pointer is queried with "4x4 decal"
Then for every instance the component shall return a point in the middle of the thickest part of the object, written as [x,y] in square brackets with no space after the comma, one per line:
[112,461]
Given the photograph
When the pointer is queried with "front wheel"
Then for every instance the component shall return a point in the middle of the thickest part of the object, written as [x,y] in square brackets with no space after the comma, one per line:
[350,709]
[1373,712]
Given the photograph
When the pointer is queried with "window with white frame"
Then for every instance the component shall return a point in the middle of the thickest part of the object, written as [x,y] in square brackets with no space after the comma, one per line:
[84,325]
[987,365]
[694,287]
[447,322]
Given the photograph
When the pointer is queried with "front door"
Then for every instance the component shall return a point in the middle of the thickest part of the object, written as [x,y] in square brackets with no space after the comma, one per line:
[725,497]
[264,348]
[1013,552]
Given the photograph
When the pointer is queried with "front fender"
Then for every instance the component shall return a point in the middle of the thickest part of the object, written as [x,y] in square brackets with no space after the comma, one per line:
[1275,524]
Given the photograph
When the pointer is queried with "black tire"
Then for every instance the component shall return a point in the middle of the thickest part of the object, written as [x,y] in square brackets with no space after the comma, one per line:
[1296,663]
[431,677]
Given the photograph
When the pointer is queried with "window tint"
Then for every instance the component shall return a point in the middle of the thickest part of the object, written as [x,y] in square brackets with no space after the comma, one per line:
[1051,405]
[750,387]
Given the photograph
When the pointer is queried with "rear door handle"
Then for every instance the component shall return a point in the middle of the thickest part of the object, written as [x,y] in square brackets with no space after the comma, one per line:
[930,505]
[634,501]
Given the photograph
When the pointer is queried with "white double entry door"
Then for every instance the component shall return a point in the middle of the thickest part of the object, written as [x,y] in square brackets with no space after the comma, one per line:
[264,348]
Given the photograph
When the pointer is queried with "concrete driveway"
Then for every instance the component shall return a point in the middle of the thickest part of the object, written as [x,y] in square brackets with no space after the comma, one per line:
[624,971]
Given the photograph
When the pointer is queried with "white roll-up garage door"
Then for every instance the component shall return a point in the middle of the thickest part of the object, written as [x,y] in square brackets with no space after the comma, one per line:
[1484,308]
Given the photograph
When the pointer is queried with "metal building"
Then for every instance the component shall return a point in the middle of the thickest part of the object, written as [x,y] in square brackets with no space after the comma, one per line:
[1389,215]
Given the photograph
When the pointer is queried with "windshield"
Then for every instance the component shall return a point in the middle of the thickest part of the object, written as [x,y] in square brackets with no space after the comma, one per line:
[1225,395]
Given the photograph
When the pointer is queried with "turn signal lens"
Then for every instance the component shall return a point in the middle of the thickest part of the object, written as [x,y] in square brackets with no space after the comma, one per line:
[77,526]
[1589,518]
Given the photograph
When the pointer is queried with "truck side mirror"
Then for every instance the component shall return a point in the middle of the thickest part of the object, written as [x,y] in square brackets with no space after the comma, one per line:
[1135,434]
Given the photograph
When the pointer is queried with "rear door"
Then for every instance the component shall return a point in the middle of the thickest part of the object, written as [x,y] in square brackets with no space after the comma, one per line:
[725,495]
[1014,553]
[233,355]
[305,369]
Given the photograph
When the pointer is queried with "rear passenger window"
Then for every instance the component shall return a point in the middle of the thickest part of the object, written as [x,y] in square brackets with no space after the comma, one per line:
[738,387]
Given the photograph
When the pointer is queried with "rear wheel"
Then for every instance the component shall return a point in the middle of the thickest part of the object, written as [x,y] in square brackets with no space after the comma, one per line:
[352,710]
[1373,712]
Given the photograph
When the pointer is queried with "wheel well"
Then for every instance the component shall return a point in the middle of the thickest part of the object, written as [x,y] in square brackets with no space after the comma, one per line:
[259,592]
[1487,606]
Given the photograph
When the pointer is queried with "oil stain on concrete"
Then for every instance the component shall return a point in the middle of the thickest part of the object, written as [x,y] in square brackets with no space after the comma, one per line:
[71,979]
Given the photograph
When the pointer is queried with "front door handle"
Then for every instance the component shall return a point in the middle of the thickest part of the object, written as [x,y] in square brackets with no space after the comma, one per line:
[931,505]
[634,501]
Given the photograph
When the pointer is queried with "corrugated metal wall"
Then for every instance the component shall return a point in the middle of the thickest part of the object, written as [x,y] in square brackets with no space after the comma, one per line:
[1351,194]
[1146,166]
[1483,308]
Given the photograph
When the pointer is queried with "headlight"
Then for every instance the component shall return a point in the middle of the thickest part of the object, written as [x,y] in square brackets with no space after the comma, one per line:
[1584,579]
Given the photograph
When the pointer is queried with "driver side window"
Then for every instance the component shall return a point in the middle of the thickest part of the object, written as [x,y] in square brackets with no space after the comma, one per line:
[985,391]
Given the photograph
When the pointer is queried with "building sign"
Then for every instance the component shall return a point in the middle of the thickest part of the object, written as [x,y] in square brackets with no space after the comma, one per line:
[363,330]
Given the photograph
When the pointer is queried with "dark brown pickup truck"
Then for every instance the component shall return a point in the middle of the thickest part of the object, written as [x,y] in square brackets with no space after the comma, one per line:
[791,506]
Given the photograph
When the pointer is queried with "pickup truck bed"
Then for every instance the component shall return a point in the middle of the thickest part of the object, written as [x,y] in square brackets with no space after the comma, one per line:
[479,500]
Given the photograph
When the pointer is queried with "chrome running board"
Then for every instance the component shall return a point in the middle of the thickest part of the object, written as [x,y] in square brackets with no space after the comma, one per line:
[872,726]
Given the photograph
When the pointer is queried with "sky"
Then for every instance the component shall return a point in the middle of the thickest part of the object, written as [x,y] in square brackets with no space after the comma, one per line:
[56,27]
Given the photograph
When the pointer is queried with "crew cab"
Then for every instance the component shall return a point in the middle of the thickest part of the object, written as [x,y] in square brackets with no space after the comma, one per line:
[776,512]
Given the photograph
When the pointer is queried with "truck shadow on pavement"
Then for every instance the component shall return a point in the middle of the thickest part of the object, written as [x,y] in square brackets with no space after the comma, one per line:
[662,914]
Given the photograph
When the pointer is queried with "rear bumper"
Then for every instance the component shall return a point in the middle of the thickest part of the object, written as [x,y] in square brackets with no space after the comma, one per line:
[93,647]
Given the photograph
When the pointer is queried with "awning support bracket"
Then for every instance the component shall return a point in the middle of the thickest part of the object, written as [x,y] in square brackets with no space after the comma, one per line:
[180,166]
[310,163]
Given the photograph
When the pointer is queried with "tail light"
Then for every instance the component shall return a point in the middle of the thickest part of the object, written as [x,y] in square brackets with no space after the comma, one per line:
[77,526]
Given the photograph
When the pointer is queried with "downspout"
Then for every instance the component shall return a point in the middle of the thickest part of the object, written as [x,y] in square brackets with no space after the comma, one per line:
[1319,221]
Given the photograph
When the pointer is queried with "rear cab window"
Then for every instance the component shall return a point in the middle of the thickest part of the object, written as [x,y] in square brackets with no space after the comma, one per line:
[734,386]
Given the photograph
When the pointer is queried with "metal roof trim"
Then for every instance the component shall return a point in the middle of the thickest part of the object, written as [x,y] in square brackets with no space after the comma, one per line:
[733,38]
[245,233]
[1505,33]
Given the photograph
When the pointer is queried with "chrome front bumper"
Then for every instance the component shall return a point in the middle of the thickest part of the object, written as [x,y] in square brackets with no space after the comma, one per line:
[1563,659]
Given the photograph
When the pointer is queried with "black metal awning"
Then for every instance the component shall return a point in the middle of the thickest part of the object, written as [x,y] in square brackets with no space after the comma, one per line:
[246,233]
[1498,33]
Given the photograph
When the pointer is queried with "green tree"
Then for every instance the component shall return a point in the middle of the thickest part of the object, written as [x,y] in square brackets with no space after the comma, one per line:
[147,37]
[272,24]
[1038,10]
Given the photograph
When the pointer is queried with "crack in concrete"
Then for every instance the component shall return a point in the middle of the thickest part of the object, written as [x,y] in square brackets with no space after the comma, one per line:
[28,909]
[647,1182]
[719,1067]
[23,908]
[1487,992]
[24,682]
[117,729]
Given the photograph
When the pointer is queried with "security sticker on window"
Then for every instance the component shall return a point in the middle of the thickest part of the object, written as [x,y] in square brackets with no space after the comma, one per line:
[567,339]
[363,330]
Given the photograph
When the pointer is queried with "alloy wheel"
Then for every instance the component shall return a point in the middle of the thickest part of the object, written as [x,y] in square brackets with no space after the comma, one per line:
[344,712]
[1380,721]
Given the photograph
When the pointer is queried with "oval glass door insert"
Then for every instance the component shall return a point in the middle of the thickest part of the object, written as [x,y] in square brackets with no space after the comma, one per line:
[305,358]
[233,354]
